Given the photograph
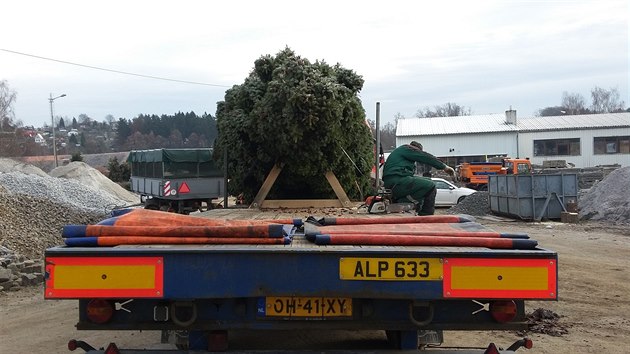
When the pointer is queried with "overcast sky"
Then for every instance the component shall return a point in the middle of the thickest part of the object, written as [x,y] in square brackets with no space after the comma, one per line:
[486,55]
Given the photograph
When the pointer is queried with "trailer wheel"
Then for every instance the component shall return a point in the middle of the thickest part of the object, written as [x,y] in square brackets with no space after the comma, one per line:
[403,340]
[151,206]
[181,340]
[393,338]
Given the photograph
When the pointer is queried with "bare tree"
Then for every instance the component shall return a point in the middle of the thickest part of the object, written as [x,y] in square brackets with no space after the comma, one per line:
[448,109]
[388,136]
[397,117]
[551,111]
[7,98]
[573,103]
[387,132]
[109,119]
[606,101]
[84,119]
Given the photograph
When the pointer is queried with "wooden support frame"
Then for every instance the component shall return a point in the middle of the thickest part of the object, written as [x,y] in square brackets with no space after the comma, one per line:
[261,203]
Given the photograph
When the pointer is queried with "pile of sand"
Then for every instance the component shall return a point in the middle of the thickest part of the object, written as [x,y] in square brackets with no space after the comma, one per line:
[9,165]
[608,200]
[84,174]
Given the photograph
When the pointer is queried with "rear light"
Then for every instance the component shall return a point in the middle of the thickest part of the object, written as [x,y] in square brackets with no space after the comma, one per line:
[503,311]
[492,349]
[99,311]
[72,345]
[112,349]
[218,341]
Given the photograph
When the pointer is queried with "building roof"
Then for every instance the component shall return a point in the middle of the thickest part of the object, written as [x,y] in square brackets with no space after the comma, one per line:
[585,121]
[453,125]
[494,123]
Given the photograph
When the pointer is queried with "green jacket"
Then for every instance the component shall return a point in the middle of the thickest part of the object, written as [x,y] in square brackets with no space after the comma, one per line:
[401,163]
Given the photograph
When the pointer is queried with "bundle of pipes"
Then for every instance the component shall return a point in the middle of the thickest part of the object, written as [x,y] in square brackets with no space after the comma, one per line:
[415,231]
[142,217]
[140,226]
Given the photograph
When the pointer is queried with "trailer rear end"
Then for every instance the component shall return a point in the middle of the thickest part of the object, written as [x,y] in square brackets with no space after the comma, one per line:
[200,292]
[176,180]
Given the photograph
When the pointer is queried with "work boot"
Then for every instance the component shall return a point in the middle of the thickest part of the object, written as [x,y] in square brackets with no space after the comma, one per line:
[427,207]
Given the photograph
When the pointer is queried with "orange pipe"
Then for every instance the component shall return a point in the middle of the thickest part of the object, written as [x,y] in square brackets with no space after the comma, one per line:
[468,229]
[403,240]
[397,220]
[146,217]
[269,230]
[486,234]
[147,240]
[396,228]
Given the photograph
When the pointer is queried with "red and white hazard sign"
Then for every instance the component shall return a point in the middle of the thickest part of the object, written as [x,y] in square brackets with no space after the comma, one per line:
[168,190]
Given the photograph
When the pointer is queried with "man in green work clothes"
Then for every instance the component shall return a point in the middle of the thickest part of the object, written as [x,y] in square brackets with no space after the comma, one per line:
[398,176]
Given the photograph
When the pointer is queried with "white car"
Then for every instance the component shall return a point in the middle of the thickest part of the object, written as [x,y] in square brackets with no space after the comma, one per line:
[449,194]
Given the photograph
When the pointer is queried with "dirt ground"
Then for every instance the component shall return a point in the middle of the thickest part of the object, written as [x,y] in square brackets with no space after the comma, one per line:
[593,306]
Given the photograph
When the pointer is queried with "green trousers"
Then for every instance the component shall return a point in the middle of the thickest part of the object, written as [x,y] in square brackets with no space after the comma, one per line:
[418,190]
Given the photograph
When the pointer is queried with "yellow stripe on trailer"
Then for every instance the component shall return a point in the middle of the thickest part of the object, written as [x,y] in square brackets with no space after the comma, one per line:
[500,278]
[104,277]
[503,278]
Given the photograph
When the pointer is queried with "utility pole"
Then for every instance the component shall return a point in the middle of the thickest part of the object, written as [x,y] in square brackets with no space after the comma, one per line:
[52,120]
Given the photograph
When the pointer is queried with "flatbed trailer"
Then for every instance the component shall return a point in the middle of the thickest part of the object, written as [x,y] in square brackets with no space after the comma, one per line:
[199,293]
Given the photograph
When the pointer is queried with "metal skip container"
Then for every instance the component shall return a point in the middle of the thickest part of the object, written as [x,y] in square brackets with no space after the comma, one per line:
[532,197]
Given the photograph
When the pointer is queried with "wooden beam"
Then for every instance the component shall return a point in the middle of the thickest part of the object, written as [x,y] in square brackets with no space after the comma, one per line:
[266,186]
[338,189]
[260,202]
[301,203]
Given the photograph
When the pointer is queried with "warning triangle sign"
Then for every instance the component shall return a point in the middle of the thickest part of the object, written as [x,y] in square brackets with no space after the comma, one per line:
[183,188]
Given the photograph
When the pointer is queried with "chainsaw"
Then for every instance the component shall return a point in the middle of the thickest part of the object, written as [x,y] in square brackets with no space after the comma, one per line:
[376,204]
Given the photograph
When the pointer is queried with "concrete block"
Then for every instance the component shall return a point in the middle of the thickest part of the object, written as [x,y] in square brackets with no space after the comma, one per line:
[569,218]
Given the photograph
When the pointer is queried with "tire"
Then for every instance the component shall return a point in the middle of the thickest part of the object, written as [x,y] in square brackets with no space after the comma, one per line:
[152,206]
[393,338]
[460,199]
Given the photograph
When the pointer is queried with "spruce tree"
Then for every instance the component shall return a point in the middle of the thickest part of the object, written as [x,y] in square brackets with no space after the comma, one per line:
[305,116]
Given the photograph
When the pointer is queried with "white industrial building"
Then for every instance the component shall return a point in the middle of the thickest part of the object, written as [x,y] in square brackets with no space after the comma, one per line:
[582,140]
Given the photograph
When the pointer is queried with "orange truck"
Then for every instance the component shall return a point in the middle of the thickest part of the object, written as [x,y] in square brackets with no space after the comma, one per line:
[475,174]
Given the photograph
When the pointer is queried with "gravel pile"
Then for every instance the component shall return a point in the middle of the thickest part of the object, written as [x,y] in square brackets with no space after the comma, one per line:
[8,165]
[476,204]
[70,193]
[608,200]
[32,224]
[34,207]
[83,173]
[29,225]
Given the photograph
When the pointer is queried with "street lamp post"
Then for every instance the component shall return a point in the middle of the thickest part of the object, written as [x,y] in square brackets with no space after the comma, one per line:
[52,118]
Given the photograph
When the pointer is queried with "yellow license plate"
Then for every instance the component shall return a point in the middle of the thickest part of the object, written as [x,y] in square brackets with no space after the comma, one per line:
[288,306]
[408,269]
